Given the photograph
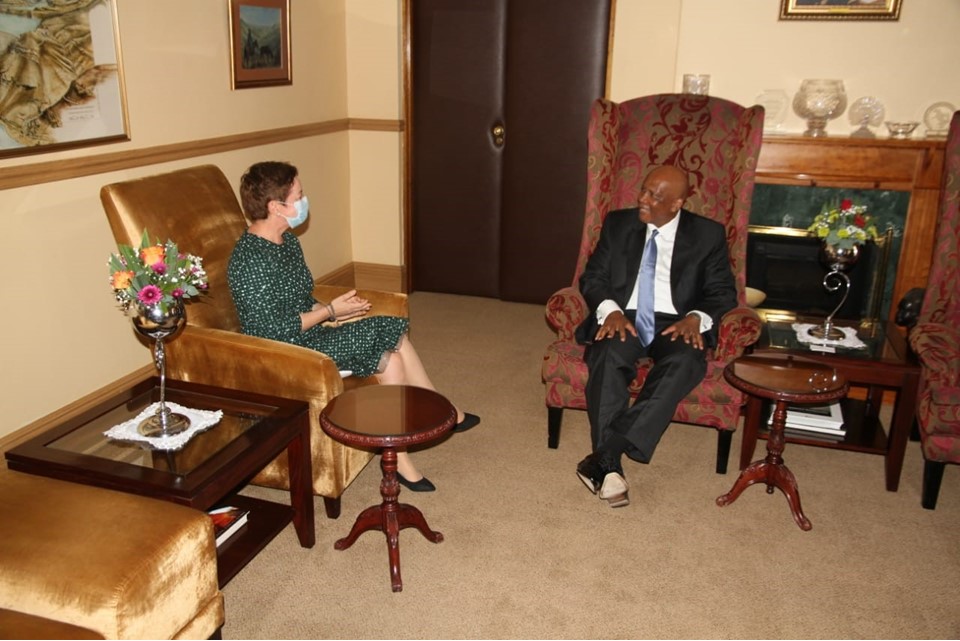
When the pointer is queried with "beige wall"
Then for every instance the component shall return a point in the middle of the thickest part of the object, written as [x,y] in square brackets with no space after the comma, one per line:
[60,335]
[373,62]
[746,50]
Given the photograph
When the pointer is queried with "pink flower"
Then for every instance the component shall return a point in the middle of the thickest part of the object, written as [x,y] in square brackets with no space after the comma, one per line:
[150,295]
[177,293]
[159,268]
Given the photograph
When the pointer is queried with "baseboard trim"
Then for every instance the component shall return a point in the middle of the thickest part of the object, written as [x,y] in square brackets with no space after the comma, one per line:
[70,410]
[340,277]
[386,278]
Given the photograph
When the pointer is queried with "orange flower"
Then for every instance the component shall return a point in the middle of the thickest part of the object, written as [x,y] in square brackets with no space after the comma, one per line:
[152,255]
[121,280]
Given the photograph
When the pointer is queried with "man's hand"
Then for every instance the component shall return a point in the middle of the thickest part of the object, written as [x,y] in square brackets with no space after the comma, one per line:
[616,324]
[688,329]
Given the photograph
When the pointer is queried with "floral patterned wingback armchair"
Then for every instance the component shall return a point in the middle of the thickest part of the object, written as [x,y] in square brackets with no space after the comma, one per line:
[936,336]
[717,143]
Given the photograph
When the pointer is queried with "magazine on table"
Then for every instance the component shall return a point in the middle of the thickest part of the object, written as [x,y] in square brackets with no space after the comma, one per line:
[823,416]
[226,521]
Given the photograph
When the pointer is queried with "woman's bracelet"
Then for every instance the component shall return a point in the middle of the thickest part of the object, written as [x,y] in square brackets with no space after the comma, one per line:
[333,314]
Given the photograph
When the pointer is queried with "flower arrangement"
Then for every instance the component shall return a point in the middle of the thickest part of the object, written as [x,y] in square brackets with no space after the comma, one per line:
[843,225]
[155,274]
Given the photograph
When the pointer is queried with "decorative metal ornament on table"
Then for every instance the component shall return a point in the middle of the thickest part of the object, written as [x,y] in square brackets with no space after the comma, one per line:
[154,280]
[157,323]
[840,260]
[818,101]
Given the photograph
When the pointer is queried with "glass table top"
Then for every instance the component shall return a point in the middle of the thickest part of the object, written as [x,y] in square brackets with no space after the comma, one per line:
[883,340]
[87,438]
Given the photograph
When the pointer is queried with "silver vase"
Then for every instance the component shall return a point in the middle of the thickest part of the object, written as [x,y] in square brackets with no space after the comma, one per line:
[839,260]
[157,323]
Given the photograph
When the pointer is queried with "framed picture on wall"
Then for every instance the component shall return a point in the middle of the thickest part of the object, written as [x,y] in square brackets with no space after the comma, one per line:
[839,9]
[260,43]
[74,49]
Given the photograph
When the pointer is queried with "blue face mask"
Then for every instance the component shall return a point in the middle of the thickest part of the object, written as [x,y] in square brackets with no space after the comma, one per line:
[302,208]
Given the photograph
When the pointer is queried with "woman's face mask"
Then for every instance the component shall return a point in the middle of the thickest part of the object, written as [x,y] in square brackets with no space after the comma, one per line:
[302,209]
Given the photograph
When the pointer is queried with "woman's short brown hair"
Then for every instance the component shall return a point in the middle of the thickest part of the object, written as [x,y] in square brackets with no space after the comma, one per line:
[263,182]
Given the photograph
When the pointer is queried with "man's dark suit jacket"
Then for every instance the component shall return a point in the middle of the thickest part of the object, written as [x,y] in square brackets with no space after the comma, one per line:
[700,275]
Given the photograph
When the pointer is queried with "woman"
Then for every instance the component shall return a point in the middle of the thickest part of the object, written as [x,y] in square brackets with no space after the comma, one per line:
[272,290]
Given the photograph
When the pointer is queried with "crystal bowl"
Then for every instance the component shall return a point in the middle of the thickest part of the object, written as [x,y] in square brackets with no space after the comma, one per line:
[901,129]
[818,101]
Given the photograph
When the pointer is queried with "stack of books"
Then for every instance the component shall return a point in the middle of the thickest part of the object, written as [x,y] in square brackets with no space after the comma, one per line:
[226,521]
[816,421]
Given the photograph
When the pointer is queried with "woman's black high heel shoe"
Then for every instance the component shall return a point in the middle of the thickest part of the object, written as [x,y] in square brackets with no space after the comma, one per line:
[469,420]
[423,485]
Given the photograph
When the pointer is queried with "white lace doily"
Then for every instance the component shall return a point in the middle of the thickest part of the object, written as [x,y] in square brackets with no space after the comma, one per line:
[200,420]
[850,338]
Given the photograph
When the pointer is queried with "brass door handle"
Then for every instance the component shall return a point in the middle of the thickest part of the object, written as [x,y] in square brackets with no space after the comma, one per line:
[499,132]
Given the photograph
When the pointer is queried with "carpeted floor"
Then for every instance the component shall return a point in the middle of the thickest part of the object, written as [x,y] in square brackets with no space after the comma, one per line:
[530,553]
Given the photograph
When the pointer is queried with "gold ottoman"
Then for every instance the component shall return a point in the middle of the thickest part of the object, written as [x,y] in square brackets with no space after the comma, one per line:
[121,565]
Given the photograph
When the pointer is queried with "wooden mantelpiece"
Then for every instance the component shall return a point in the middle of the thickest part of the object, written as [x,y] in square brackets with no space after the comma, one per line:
[915,166]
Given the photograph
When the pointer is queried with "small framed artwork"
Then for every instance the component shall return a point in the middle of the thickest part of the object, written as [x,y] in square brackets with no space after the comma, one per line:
[62,77]
[260,43]
[839,9]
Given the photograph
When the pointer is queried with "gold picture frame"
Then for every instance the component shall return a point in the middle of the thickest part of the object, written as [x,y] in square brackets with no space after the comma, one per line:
[76,48]
[260,52]
[839,9]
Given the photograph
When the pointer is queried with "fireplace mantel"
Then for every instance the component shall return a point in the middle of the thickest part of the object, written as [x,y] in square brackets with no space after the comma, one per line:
[915,166]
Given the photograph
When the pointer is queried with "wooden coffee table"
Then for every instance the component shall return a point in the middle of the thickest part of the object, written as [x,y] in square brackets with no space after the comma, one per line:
[784,379]
[886,364]
[388,418]
[206,472]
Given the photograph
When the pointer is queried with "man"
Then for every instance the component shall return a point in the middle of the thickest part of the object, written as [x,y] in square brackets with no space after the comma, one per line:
[657,284]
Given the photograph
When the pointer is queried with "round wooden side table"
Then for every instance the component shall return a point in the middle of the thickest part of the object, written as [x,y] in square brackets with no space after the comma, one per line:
[783,379]
[388,418]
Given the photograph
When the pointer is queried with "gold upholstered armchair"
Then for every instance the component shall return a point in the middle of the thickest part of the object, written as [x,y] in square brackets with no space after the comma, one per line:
[197,208]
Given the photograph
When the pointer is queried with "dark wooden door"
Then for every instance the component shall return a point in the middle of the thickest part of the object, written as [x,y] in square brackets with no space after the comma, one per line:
[501,94]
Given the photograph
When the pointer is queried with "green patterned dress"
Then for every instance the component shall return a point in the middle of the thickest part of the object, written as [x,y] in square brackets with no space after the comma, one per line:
[271,286]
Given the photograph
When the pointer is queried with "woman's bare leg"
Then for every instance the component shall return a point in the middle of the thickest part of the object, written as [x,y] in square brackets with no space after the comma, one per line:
[405,368]
[406,468]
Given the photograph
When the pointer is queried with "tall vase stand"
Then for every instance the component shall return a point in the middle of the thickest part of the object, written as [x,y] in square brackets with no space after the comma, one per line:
[834,280]
[163,422]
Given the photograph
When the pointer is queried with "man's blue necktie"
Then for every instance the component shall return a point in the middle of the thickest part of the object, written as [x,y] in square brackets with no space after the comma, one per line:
[645,285]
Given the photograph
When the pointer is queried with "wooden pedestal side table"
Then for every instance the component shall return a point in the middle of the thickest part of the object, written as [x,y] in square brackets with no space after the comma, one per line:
[783,379]
[388,418]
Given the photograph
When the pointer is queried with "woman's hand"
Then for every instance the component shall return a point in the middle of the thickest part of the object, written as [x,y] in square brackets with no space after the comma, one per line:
[350,305]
